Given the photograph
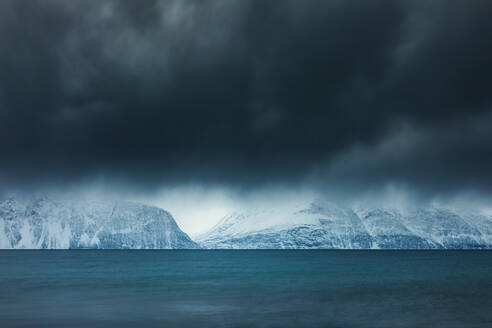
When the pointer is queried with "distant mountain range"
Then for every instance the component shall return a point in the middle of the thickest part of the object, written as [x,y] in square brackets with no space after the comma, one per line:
[46,223]
[322,225]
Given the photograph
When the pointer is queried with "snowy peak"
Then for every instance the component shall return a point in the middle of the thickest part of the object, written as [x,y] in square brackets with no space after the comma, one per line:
[45,223]
[326,225]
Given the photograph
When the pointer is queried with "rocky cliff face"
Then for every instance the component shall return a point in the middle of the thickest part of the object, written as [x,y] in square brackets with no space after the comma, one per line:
[45,223]
[327,226]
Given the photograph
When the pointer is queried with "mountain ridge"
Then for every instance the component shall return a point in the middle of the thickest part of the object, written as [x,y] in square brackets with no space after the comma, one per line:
[41,222]
[328,226]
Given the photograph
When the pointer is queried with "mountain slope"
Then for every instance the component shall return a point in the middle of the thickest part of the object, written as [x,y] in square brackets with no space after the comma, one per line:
[44,223]
[327,226]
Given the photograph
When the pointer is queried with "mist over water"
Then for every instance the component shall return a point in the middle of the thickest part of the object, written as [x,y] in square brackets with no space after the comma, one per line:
[246,288]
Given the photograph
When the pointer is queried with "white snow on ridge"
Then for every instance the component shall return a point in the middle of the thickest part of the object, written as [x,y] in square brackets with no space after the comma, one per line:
[45,223]
[325,225]
[42,222]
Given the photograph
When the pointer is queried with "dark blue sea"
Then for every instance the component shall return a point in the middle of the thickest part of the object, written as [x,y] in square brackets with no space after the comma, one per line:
[245,288]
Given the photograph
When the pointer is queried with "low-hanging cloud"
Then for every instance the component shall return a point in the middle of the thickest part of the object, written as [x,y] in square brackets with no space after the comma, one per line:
[345,94]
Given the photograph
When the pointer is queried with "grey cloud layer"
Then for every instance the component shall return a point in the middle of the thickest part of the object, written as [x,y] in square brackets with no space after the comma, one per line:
[246,92]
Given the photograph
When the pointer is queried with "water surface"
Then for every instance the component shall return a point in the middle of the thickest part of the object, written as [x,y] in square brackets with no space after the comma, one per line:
[245,288]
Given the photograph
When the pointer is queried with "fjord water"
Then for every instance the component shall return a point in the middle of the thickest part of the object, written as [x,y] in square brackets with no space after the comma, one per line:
[260,288]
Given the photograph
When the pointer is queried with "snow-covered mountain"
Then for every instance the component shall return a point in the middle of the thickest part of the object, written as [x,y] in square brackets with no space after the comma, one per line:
[42,222]
[325,225]
[53,223]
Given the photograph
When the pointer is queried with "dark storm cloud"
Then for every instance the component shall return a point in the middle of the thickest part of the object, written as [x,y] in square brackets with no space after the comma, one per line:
[246,92]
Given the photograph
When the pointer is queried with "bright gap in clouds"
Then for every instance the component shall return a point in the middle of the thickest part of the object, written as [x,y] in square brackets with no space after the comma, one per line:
[195,209]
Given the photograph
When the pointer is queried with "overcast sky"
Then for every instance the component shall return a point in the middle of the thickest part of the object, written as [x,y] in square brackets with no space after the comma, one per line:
[208,103]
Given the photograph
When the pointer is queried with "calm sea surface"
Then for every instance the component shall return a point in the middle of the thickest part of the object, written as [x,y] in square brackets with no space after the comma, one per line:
[245,288]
